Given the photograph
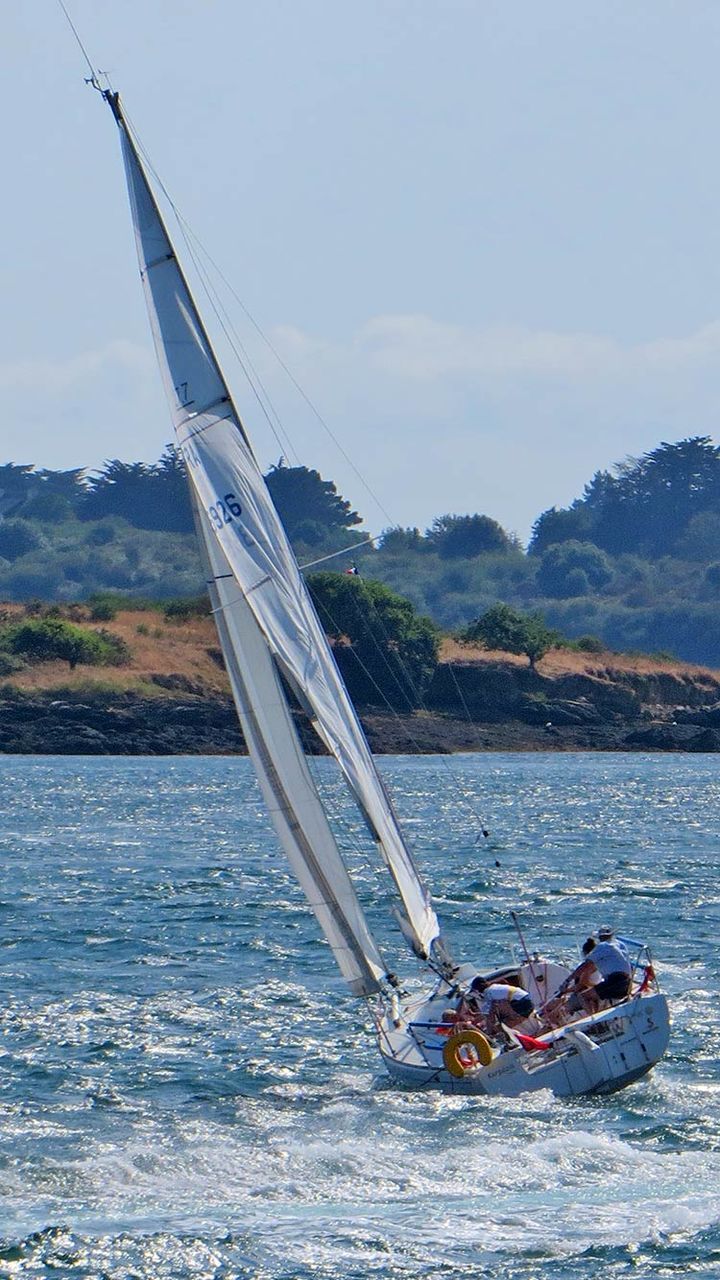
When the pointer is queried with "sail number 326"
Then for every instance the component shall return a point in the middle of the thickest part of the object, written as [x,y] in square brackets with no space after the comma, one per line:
[224,510]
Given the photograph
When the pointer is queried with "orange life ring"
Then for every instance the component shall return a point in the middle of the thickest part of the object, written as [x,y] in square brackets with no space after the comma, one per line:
[475,1040]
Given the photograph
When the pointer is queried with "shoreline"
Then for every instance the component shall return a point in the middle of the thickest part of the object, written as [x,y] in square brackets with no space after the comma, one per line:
[172,697]
[132,725]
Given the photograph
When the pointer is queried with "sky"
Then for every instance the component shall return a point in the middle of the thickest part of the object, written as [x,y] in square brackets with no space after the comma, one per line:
[483,235]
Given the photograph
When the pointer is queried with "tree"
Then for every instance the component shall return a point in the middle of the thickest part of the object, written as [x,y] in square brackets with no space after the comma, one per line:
[302,498]
[17,538]
[16,484]
[645,505]
[64,484]
[53,496]
[701,539]
[47,639]
[572,569]
[466,536]
[397,539]
[572,523]
[384,649]
[149,496]
[506,629]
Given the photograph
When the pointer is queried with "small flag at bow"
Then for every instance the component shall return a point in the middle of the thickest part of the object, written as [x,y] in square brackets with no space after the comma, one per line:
[530,1044]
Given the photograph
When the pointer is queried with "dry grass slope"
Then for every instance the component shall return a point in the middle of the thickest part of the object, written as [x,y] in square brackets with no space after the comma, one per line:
[158,648]
[190,650]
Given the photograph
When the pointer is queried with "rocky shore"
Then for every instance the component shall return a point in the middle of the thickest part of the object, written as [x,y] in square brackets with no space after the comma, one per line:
[493,706]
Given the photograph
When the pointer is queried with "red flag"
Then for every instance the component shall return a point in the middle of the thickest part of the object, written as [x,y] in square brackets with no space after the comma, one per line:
[649,977]
[529,1043]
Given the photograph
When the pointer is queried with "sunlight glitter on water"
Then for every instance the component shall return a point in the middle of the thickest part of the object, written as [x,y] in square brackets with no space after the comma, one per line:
[187,1090]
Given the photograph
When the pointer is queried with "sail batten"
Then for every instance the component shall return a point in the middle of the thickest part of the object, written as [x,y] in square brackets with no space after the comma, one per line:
[260,600]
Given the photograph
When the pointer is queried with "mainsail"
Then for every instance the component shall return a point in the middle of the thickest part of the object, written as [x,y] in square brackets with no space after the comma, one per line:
[266,620]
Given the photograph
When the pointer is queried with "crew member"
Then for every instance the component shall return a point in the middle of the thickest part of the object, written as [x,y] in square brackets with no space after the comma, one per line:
[500,1002]
[610,959]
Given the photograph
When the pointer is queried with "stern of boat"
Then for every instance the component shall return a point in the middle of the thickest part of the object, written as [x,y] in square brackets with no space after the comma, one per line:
[597,1054]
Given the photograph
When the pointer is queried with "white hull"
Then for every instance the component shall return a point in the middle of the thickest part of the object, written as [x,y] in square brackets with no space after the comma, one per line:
[597,1054]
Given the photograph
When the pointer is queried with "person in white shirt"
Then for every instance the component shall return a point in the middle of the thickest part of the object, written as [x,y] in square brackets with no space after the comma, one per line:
[611,961]
[499,1002]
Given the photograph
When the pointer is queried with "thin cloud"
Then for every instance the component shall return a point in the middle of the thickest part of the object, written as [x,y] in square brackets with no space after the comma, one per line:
[416,346]
[58,377]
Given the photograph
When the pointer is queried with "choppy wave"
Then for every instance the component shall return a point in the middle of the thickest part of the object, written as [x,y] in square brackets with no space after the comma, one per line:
[186,1090]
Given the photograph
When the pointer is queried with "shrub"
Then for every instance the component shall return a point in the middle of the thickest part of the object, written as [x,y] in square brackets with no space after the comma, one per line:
[102,533]
[48,639]
[385,651]
[512,632]
[192,607]
[103,608]
[10,663]
[590,644]
[17,538]
[572,569]
[115,650]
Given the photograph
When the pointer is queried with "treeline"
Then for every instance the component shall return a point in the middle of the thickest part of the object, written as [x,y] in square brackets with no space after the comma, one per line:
[66,535]
[154,496]
[635,560]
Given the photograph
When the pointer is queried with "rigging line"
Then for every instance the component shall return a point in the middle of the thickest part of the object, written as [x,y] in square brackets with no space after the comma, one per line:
[233,338]
[297,385]
[189,234]
[354,834]
[344,551]
[461,696]
[395,674]
[262,395]
[236,345]
[366,671]
[253,379]
[381,654]
[242,356]
[477,815]
[422,705]
[401,666]
[397,669]
[217,305]
[353,837]
[240,353]
[83,50]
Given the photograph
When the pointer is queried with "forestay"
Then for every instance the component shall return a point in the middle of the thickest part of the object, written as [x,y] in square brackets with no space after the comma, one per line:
[263,602]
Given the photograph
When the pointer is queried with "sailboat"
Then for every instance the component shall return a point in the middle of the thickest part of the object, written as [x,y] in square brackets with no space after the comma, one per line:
[273,642]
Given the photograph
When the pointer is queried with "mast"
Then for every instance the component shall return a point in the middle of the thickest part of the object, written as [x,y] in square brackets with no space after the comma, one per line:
[266,620]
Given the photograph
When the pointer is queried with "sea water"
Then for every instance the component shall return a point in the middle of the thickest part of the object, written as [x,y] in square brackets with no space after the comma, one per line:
[187,1090]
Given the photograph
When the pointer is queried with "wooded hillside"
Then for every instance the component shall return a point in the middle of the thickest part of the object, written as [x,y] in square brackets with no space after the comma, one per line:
[634,561]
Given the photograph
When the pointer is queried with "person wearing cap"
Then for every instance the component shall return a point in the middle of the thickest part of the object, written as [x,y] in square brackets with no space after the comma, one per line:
[606,934]
[499,1002]
[611,961]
